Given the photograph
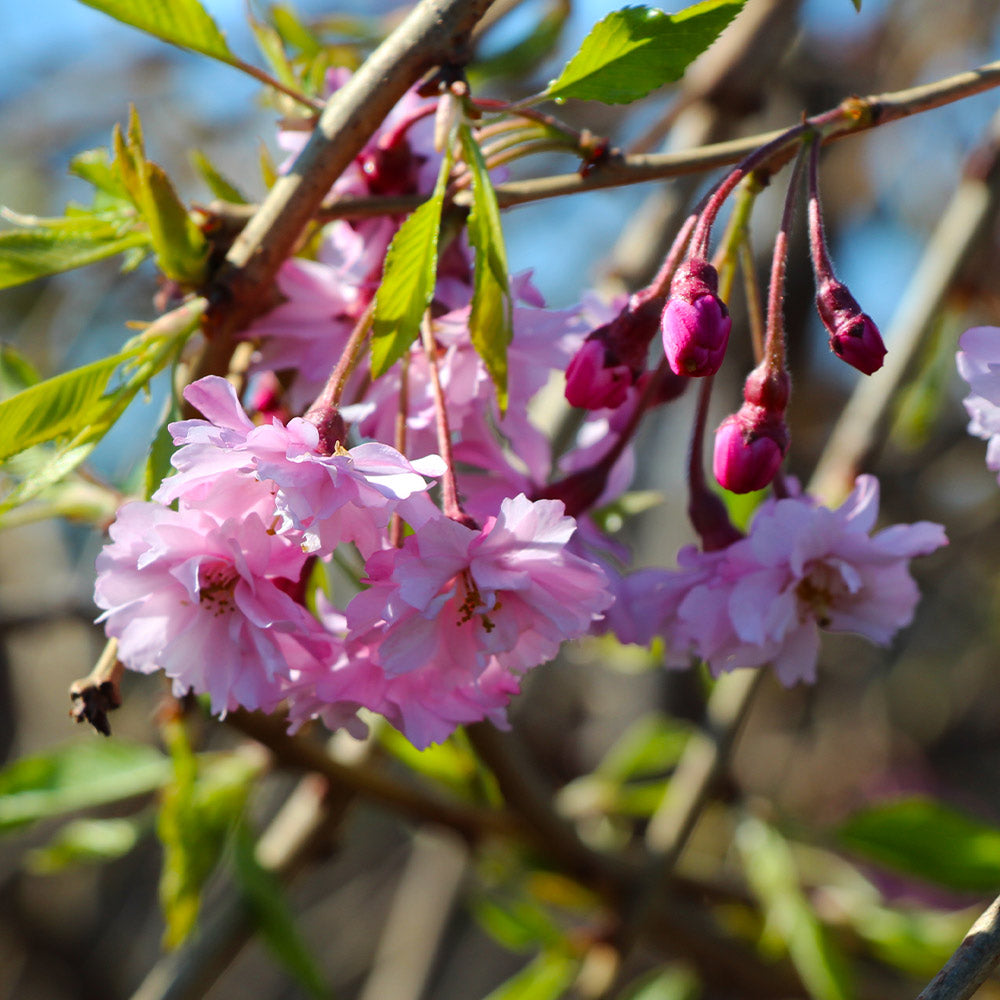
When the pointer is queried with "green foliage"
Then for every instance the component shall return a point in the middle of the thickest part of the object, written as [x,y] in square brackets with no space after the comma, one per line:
[671,983]
[264,895]
[184,23]
[181,249]
[545,977]
[78,776]
[524,55]
[925,838]
[86,841]
[161,450]
[218,184]
[50,246]
[635,50]
[407,280]
[79,408]
[790,921]
[199,809]
[490,319]
[16,372]
[58,407]
[519,924]
[450,763]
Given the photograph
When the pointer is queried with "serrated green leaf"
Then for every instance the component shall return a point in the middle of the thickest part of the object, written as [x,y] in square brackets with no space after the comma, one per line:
[635,50]
[180,247]
[181,22]
[773,877]
[907,835]
[546,977]
[217,183]
[86,841]
[408,280]
[270,909]
[77,776]
[490,319]
[57,407]
[27,254]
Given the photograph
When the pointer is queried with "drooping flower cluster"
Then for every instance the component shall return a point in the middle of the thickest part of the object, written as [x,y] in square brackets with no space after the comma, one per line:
[764,599]
[214,580]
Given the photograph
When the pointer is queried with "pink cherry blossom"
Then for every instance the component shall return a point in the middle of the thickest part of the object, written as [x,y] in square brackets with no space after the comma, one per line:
[204,599]
[453,597]
[804,567]
[979,364]
[329,499]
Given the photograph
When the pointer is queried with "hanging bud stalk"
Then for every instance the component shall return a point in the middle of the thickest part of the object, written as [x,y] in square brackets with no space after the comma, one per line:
[854,337]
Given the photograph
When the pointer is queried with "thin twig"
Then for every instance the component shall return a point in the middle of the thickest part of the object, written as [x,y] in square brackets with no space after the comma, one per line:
[977,956]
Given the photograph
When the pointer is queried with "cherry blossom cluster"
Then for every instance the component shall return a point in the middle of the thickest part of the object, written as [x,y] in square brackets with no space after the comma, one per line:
[480,552]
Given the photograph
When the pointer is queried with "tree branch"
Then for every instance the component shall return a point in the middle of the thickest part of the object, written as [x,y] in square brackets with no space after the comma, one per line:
[977,956]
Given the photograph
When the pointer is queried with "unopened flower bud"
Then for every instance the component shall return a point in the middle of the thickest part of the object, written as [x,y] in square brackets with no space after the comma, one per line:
[613,357]
[749,448]
[695,322]
[593,380]
[854,337]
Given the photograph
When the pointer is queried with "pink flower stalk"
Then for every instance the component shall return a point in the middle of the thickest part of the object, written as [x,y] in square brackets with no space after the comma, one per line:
[695,322]
[854,337]
[979,364]
[203,598]
[453,598]
[803,568]
[328,499]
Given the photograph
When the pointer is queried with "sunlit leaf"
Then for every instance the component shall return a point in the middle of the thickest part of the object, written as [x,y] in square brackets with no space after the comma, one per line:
[78,776]
[217,183]
[408,280]
[180,22]
[199,809]
[86,841]
[635,50]
[908,835]
[546,977]
[27,254]
[773,877]
[270,909]
[490,318]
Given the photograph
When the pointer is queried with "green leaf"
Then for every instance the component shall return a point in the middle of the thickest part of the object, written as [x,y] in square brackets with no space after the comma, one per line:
[77,776]
[94,166]
[199,809]
[57,407]
[908,835]
[490,319]
[651,745]
[294,30]
[86,841]
[180,247]
[27,254]
[451,763]
[518,924]
[263,892]
[774,879]
[181,22]
[635,50]
[546,977]
[521,58]
[670,983]
[407,280]
[857,5]
[217,183]
[272,47]
[16,372]
[161,450]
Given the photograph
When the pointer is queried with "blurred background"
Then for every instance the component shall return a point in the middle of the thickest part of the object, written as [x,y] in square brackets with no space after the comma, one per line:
[922,716]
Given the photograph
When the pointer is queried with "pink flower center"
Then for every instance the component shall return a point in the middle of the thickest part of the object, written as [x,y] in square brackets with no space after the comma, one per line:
[216,583]
[473,603]
[819,590]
